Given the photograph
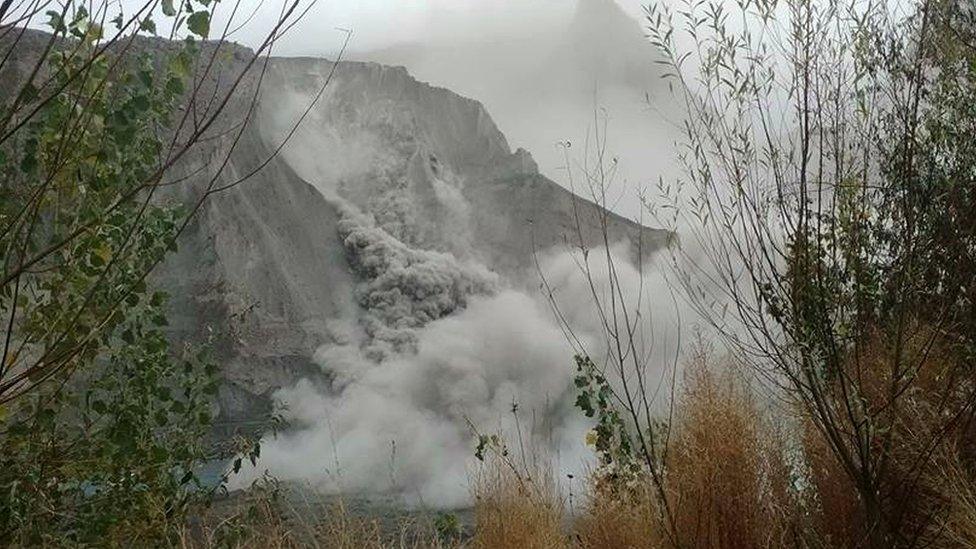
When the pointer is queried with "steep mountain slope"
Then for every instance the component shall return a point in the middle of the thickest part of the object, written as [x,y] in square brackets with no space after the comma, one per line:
[392,205]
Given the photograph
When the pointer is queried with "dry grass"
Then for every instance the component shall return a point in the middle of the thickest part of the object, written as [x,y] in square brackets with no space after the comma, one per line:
[714,466]
[517,508]
[959,520]
[918,422]
[726,478]
[340,529]
[256,521]
[727,482]
[343,530]
[836,516]
[616,519]
[264,522]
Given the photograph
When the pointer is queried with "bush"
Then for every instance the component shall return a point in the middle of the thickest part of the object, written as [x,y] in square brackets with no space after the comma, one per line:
[103,420]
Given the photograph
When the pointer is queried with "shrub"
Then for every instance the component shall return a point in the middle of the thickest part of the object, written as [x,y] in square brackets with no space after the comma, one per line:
[516,505]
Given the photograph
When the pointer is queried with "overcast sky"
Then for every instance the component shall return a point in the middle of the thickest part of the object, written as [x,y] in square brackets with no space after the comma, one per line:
[515,57]
[520,58]
[381,23]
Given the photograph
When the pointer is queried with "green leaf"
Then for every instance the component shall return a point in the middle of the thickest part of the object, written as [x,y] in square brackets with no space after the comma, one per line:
[199,23]
[174,86]
[140,102]
[146,77]
[28,163]
[584,404]
[55,21]
[187,477]
[98,407]
[157,299]
[479,451]
[160,454]
[168,9]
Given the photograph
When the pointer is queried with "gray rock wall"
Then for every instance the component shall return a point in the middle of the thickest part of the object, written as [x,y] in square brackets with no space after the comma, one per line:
[390,205]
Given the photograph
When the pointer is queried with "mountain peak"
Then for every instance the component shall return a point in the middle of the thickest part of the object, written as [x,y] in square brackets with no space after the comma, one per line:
[600,13]
[604,22]
[608,44]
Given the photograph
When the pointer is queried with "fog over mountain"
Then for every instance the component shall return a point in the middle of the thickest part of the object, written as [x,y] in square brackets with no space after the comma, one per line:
[433,317]
[548,71]
[586,68]
[378,282]
[440,321]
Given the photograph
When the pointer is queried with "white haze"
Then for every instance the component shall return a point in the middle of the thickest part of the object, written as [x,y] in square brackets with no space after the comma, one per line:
[406,379]
[552,73]
[438,340]
[382,23]
[549,72]
[400,424]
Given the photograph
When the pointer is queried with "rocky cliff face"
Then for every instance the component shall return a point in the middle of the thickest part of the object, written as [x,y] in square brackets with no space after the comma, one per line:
[392,205]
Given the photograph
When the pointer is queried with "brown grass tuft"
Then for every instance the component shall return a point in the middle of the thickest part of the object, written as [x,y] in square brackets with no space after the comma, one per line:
[262,521]
[837,516]
[340,529]
[726,477]
[516,508]
[727,481]
[615,519]
[958,522]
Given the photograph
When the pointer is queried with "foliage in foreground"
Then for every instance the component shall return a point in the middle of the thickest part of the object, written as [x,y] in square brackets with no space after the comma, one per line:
[104,422]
